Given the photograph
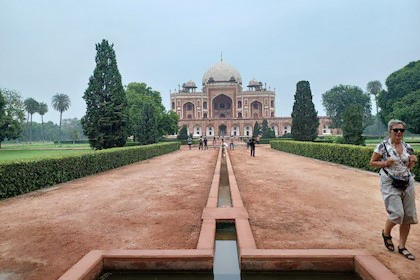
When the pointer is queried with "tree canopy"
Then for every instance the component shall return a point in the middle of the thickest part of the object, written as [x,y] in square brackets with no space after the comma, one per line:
[106,120]
[353,125]
[140,94]
[267,132]
[305,120]
[401,99]
[183,133]
[257,130]
[12,115]
[340,97]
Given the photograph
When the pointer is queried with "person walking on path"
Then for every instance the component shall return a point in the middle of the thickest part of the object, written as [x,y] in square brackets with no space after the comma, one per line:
[214,142]
[396,160]
[231,145]
[252,146]
[205,143]
[189,141]
[200,143]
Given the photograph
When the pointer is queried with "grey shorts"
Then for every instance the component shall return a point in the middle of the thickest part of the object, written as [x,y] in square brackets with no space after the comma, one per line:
[400,205]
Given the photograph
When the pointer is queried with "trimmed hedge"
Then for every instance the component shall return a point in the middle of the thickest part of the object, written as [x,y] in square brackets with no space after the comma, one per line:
[26,176]
[350,155]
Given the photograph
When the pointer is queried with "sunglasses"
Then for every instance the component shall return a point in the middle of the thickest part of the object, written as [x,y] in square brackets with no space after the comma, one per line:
[398,129]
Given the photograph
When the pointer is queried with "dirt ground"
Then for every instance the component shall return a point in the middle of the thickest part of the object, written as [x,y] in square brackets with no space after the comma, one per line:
[154,204]
[297,202]
[293,202]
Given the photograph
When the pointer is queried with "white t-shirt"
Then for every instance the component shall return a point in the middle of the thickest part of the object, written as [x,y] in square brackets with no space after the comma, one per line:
[399,168]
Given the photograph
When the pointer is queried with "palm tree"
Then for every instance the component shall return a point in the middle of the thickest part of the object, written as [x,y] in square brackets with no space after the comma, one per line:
[31,106]
[42,110]
[374,88]
[61,103]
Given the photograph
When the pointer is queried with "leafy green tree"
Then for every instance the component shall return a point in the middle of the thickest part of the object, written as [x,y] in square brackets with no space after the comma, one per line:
[106,119]
[69,126]
[2,111]
[408,110]
[139,94]
[61,103]
[12,115]
[31,106]
[74,134]
[399,100]
[267,132]
[353,125]
[183,133]
[169,123]
[305,120]
[257,130]
[147,131]
[337,99]
[42,110]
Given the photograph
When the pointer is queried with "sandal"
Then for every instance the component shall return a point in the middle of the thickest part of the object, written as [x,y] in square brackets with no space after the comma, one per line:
[388,241]
[406,253]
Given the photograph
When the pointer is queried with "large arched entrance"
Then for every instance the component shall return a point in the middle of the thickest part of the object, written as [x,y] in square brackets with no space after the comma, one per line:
[256,110]
[222,107]
[222,130]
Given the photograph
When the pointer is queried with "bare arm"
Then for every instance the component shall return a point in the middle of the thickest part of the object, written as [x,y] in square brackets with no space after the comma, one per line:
[376,161]
[412,162]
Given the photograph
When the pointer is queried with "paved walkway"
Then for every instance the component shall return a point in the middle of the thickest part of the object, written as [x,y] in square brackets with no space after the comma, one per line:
[302,203]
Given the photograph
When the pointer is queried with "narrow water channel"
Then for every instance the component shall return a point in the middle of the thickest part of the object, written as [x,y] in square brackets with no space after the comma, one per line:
[226,259]
[224,197]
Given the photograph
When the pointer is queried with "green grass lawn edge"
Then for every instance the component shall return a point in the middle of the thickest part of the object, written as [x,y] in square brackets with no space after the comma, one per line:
[350,155]
[20,177]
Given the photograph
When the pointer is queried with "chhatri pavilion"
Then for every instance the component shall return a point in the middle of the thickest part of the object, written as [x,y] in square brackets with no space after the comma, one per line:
[224,108]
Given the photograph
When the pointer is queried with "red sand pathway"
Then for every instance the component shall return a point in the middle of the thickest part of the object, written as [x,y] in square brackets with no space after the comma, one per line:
[293,202]
[302,203]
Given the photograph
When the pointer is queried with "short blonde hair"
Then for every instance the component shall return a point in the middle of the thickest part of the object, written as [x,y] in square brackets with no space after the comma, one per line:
[393,122]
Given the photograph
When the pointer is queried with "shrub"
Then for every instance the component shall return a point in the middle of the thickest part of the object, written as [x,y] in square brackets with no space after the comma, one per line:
[350,155]
[26,176]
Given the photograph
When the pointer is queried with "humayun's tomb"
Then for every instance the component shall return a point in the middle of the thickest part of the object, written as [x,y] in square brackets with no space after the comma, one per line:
[224,108]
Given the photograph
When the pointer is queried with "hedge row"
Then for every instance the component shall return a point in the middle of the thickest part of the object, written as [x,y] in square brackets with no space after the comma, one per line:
[350,155]
[26,176]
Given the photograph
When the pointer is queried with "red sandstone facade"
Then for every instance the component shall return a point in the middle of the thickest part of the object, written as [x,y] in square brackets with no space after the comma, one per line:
[224,108]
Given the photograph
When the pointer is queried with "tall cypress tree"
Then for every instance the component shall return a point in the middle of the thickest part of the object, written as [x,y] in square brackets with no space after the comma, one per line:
[353,125]
[257,129]
[147,130]
[305,120]
[106,119]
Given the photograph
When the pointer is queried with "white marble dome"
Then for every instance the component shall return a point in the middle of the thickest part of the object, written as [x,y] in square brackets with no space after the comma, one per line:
[222,72]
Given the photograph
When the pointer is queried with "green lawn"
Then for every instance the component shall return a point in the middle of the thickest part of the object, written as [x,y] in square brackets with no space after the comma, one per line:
[42,145]
[38,150]
[12,155]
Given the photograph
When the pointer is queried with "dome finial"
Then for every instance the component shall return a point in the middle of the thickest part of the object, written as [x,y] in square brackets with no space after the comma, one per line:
[221,56]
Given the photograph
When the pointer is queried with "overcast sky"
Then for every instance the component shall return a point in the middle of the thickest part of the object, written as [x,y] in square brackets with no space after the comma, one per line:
[48,47]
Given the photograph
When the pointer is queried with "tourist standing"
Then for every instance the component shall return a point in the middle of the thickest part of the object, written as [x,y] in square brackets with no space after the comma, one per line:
[214,142]
[189,141]
[396,160]
[205,143]
[231,145]
[252,146]
[200,143]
